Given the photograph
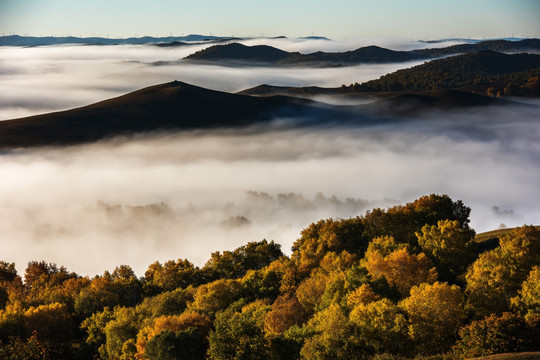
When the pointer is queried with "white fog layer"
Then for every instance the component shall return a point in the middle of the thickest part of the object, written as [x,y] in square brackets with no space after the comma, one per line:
[137,200]
[44,79]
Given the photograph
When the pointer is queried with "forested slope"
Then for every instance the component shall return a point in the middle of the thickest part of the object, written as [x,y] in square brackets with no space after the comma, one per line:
[404,282]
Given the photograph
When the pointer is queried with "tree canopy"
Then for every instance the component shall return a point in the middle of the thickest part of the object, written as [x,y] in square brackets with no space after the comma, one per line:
[397,283]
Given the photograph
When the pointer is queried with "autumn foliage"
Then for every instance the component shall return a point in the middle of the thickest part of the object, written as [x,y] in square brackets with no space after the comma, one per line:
[397,283]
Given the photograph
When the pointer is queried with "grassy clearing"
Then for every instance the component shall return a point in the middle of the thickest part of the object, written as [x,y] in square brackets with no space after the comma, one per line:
[489,235]
[514,356]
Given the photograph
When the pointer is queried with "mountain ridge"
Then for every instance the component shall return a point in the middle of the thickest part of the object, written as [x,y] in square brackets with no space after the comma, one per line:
[268,55]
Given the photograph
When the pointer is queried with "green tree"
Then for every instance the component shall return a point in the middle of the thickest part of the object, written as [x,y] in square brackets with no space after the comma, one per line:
[261,284]
[171,275]
[121,333]
[235,264]
[238,333]
[188,344]
[8,272]
[94,326]
[167,303]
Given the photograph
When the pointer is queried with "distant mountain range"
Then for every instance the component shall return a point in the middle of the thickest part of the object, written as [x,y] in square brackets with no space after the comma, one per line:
[267,55]
[16,40]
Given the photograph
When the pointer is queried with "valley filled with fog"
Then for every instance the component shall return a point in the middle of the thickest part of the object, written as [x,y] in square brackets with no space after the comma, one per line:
[183,195]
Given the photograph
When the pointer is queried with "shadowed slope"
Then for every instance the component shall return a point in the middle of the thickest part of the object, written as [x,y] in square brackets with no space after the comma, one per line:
[367,54]
[410,104]
[174,105]
[459,71]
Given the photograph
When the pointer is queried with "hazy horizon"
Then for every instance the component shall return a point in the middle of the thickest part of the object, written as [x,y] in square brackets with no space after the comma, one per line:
[342,19]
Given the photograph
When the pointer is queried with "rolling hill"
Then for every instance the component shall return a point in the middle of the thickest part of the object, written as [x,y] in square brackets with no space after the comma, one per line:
[460,71]
[267,55]
[239,52]
[164,107]
[481,72]
[525,45]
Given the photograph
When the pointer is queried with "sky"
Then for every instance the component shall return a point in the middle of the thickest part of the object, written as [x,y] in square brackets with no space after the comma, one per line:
[339,19]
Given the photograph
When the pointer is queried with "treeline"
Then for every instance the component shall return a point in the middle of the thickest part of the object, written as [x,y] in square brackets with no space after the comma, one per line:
[512,74]
[404,282]
[506,46]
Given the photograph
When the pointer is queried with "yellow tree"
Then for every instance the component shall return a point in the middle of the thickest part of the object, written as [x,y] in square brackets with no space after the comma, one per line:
[381,326]
[435,314]
[450,246]
[52,322]
[333,338]
[215,296]
[176,324]
[363,294]
[401,269]
[528,300]
[505,333]
[496,276]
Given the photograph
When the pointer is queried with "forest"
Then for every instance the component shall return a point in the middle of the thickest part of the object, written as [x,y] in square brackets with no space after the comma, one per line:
[406,282]
[485,71]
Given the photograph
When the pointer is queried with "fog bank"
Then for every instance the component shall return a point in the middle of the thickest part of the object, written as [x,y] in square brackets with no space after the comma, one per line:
[134,201]
[45,79]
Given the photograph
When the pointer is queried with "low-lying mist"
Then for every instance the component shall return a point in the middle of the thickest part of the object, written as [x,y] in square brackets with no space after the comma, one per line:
[184,195]
[44,79]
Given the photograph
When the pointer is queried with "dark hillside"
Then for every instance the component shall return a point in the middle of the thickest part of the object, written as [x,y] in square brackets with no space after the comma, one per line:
[459,71]
[239,52]
[525,45]
[368,54]
[174,105]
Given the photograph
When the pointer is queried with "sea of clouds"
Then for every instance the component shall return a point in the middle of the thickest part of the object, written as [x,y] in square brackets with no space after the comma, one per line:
[136,200]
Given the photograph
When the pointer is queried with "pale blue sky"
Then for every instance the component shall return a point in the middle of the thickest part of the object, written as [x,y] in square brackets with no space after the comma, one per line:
[338,19]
